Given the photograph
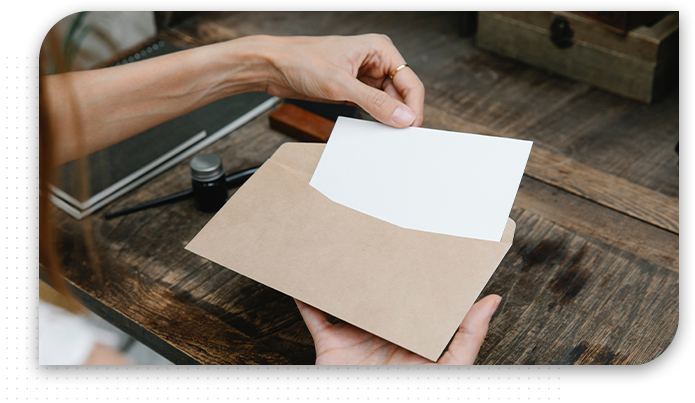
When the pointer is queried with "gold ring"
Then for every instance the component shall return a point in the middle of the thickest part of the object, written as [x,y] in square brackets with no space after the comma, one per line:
[393,73]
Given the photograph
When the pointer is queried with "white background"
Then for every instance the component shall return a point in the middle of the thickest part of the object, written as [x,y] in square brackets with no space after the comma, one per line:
[24,24]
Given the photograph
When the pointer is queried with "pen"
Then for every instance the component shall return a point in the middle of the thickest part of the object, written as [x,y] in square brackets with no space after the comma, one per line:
[234,180]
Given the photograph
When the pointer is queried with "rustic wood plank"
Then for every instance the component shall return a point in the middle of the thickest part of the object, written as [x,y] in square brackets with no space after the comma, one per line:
[93,301]
[581,179]
[600,225]
[605,189]
[633,142]
[172,318]
[555,308]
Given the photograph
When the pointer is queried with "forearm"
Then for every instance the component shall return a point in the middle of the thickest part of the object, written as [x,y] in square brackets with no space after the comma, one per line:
[88,111]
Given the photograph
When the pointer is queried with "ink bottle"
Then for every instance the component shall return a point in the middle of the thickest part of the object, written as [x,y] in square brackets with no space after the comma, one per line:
[209,185]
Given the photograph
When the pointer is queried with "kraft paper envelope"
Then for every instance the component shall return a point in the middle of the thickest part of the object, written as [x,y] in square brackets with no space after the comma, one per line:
[410,287]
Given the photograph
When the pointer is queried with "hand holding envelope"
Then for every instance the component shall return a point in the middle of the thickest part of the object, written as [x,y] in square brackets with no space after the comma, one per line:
[345,344]
[372,260]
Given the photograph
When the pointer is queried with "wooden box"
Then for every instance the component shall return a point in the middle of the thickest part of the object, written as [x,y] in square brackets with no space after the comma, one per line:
[623,21]
[640,64]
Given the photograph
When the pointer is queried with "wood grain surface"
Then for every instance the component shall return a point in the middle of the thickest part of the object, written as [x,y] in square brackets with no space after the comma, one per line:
[582,179]
[582,284]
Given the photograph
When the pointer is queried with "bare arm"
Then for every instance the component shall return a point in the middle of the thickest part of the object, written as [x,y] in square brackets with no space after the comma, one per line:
[103,107]
[91,110]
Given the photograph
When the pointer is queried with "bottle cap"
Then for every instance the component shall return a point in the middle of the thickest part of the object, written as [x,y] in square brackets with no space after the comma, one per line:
[206,167]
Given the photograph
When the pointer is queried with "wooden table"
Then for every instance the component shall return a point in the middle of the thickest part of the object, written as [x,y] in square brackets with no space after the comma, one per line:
[592,276]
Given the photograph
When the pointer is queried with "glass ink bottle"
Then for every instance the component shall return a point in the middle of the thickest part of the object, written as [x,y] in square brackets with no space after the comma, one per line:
[209,185]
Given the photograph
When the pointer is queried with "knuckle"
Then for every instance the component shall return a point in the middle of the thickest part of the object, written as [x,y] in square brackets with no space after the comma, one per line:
[386,38]
[377,99]
[416,90]
[380,38]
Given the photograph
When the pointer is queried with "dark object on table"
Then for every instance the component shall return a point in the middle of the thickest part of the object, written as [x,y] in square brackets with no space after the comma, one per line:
[301,124]
[468,23]
[641,64]
[560,33]
[234,180]
[309,121]
[209,186]
[328,111]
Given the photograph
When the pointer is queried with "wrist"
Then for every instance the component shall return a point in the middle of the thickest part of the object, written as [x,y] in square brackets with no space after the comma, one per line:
[248,64]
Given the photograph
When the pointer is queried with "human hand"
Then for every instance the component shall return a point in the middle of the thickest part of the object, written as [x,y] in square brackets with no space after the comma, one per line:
[345,344]
[350,69]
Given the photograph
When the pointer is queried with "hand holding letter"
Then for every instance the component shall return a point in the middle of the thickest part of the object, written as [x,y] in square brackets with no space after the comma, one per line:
[350,69]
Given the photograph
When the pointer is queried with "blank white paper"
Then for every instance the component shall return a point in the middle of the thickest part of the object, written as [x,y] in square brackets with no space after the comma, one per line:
[444,182]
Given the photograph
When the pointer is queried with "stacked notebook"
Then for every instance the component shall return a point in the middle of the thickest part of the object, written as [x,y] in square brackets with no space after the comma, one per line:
[122,167]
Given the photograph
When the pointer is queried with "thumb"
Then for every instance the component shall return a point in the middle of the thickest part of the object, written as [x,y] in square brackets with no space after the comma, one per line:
[381,105]
[471,334]
[315,320]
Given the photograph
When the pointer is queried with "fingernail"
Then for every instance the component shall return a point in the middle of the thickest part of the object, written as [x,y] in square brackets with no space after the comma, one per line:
[494,308]
[403,116]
